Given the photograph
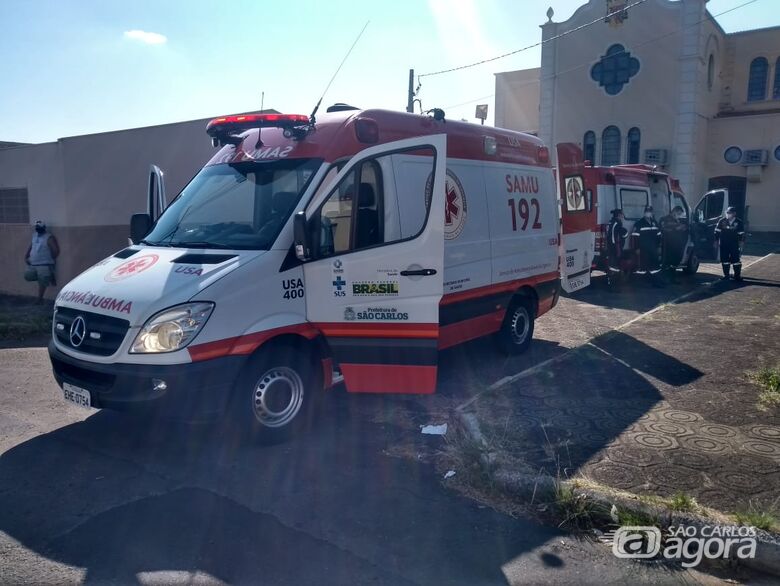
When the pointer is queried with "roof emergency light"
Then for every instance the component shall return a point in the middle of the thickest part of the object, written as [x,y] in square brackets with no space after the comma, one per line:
[224,130]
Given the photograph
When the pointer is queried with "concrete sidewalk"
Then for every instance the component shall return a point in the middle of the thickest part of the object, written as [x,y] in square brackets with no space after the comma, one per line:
[660,406]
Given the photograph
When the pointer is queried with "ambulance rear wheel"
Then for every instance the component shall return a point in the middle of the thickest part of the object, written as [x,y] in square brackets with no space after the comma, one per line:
[274,399]
[517,330]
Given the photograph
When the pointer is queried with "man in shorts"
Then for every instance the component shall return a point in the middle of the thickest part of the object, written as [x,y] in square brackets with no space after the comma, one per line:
[41,256]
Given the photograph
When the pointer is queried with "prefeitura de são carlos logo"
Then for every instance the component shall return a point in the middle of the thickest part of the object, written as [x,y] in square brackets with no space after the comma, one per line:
[455,208]
[131,267]
[687,544]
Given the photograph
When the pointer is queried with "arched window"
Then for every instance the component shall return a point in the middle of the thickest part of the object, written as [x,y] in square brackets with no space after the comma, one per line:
[776,87]
[589,146]
[759,70]
[610,146]
[634,137]
[711,71]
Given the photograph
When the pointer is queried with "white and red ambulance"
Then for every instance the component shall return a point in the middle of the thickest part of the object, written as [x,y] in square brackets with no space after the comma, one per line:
[356,246]
[590,193]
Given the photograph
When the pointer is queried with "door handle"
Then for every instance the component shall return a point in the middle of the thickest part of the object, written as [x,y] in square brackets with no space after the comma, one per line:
[418,273]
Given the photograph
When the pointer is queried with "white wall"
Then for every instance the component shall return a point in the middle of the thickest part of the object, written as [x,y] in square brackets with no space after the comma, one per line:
[517,100]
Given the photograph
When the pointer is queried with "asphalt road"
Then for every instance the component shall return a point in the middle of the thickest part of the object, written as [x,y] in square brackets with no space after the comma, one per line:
[96,497]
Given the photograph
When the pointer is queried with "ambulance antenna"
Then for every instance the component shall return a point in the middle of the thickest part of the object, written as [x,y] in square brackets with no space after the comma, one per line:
[259,142]
[312,119]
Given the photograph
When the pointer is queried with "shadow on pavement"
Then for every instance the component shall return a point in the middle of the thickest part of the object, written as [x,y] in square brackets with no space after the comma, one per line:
[646,359]
[559,418]
[120,496]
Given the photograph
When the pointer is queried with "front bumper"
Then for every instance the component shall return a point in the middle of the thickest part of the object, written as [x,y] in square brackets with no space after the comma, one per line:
[194,390]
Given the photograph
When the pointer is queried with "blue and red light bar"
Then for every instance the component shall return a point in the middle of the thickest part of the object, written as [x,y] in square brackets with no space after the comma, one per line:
[232,124]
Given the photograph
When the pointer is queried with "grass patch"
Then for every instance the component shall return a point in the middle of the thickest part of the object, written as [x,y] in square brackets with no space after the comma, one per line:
[21,324]
[574,510]
[765,519]
[768,379]
[682,503]
[628,517]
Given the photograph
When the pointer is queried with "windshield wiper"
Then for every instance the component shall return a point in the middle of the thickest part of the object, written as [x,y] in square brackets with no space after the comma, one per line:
[150,243]
[199,244]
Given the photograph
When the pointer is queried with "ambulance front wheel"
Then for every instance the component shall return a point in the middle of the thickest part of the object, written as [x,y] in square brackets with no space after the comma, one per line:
[517,330]
[274,399]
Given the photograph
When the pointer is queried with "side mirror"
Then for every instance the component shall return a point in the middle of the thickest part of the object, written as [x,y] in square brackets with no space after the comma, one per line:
[589,199]
[301,237]
[140,225]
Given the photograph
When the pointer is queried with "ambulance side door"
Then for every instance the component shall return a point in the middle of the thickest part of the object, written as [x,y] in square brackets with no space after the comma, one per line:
[376,277]
[708,212]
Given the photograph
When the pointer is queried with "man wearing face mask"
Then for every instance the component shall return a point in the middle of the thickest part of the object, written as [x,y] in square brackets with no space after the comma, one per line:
[40,257]
[730,234]
[674,240]
[647,234]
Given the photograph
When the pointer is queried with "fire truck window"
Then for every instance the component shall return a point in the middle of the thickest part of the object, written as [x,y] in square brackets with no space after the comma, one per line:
[633,202]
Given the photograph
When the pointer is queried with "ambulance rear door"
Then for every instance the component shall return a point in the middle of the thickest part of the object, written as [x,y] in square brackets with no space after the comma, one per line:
[578,219]
[375,281]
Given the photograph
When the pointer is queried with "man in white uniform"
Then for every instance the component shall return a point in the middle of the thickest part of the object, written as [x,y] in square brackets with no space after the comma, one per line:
[41,256]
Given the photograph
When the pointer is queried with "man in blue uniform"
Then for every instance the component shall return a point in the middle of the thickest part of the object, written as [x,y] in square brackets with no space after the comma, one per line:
[647,233]
[616,243]
[730,234]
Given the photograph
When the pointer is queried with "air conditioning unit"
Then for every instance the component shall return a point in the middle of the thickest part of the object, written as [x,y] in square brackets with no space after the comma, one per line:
[755,157]
[656,157]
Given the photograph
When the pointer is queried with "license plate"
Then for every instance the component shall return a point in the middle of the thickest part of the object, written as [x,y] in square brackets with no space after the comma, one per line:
[77,395]
[577,283]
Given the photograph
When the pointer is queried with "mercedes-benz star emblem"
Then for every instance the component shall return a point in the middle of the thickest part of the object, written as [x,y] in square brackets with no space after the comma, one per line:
[78,331]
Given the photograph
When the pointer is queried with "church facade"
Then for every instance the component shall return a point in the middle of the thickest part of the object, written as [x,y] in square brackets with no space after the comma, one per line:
[659,83]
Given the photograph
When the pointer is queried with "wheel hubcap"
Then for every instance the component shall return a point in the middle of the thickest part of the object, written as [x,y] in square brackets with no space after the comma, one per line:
[277,397]
[520,325]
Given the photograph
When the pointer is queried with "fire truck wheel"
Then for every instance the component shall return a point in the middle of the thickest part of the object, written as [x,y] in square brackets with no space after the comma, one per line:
[693,265]
[276,394]
[516,332]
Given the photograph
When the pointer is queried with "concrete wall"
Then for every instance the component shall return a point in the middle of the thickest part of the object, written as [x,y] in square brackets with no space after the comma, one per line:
[86,188]
[749,132]
[745,47]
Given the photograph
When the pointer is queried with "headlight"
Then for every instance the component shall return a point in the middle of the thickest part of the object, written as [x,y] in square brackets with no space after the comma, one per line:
[172,328]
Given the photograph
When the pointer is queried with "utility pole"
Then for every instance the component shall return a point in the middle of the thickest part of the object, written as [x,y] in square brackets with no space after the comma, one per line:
[410,94]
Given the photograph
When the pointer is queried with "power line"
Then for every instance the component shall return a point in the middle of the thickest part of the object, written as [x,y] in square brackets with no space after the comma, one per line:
[539,44]
[586,64]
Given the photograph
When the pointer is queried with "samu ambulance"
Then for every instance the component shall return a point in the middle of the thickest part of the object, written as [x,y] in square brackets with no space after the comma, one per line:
[356,246]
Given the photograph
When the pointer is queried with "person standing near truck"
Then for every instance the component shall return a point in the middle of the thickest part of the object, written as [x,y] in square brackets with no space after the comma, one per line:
[730,235]
[648,239]
[616,243]
[41,256]
[675,237]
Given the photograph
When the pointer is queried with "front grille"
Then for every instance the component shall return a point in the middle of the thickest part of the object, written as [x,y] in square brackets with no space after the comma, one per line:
[103,334]
[89,379]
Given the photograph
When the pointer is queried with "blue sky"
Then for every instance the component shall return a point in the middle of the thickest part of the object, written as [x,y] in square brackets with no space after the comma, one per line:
[74,67]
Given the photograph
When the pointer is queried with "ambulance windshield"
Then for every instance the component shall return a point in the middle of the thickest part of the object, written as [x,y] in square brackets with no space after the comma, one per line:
[236,206]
